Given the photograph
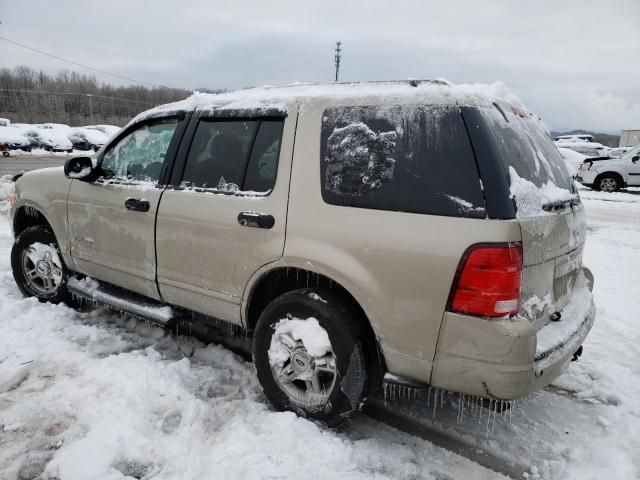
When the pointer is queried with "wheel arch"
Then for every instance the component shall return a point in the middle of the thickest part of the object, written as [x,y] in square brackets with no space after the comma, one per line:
[26,216]
[615,173]
[277,279]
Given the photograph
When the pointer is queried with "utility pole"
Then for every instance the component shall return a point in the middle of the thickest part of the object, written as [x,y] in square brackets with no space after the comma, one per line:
[337,58]
[90,108]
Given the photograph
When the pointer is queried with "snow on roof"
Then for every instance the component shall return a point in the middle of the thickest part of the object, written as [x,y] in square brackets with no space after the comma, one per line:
[278,98]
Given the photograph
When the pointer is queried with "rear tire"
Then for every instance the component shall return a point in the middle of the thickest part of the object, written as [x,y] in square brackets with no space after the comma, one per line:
[328,387]
[38,268]
[608,183]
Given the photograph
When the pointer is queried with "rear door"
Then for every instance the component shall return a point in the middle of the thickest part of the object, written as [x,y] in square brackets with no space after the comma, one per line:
[532,176]
[111,221]
[225,216]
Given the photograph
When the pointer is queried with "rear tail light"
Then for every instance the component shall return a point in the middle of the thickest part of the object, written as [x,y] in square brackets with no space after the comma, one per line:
[487,282]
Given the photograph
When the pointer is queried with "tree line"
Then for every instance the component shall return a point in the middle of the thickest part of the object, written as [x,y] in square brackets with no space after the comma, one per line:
[31,96]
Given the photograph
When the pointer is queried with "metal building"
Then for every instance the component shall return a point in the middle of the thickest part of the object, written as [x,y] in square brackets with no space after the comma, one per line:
[629,138]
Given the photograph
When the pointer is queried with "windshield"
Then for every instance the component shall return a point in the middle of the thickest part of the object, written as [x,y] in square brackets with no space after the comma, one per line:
[631,153]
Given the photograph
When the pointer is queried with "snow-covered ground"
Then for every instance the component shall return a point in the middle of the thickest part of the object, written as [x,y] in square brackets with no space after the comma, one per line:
[93,396]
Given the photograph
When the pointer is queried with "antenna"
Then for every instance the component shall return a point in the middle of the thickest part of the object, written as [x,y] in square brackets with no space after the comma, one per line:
[337,58]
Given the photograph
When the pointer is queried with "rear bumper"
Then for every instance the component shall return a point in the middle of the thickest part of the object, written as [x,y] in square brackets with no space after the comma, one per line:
[507,359]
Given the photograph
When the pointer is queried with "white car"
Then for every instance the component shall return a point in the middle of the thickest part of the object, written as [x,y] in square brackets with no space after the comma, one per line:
[619,152]
[611,174]
[590,149]
[580,138]
[51,139]
[572,159]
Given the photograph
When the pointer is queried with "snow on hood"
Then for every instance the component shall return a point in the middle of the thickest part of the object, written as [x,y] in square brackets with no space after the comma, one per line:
[12,135]
[92,136]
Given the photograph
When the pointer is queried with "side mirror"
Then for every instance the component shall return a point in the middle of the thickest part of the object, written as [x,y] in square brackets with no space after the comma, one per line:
[80,168]
[635,158]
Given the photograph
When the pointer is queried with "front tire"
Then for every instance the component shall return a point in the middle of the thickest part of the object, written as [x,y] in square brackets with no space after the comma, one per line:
[37,264]
[309,356]
[608,183]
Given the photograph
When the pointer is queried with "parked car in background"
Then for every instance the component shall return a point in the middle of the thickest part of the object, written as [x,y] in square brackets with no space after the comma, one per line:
[611,174]
[619,151]
[108,130]
[580,138]
[572,159]
[50,139]
[5,122]
[590,149]
[14,140]
[398,242]
[84,138]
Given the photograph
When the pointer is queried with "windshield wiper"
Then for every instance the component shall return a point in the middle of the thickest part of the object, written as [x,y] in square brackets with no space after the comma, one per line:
[561,204]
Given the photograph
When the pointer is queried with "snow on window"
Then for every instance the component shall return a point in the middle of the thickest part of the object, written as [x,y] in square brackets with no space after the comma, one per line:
[530,199]
[411,158]
[359,159]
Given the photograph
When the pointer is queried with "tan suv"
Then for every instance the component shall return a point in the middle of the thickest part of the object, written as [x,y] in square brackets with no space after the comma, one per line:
[411,232]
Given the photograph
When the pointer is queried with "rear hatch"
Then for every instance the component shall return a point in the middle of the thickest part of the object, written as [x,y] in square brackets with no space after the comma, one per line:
[547,206]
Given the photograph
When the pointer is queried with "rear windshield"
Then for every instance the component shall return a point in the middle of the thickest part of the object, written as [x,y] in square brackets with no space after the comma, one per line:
[415,159]
[524,145]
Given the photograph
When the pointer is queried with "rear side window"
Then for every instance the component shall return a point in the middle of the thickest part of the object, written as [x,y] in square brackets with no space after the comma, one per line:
[523,144]
[415,159]
[236,155]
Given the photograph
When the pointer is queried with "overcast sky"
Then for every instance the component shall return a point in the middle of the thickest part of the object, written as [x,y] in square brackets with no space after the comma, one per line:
[576,63]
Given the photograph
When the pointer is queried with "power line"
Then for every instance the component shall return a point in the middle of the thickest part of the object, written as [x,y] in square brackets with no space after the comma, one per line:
[78,64]
[42,92]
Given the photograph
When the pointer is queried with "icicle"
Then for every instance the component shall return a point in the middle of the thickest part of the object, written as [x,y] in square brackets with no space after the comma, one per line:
[435,404]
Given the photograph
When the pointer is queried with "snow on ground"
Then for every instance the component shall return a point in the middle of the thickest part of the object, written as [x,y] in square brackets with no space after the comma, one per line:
[93,396]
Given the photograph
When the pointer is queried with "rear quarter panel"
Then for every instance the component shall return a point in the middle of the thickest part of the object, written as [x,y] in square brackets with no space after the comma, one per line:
[398,266]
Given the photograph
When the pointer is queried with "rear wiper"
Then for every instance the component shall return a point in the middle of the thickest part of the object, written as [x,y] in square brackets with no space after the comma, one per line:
[561,204]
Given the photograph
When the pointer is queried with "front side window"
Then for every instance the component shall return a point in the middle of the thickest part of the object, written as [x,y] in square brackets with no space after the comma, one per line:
[139,156]
[235,155]
[415,159]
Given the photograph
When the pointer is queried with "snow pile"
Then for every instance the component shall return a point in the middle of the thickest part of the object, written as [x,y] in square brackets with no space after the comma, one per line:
[530,199]
[308,331]
[6,185]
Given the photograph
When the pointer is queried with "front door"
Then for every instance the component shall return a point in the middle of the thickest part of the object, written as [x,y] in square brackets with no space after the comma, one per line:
[111,221]
[634,168]
[226,216]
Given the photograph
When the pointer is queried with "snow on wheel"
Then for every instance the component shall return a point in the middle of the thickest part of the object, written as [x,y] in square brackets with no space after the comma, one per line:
[37,265]
[309,357]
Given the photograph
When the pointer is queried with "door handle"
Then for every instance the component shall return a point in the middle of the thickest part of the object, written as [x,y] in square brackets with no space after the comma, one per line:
[137,205]
[256,220]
